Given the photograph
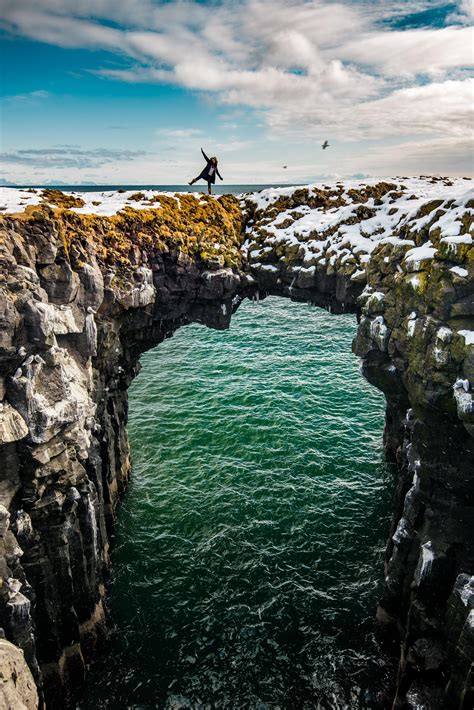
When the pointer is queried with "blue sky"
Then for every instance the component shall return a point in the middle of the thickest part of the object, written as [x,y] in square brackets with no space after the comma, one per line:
[127,92]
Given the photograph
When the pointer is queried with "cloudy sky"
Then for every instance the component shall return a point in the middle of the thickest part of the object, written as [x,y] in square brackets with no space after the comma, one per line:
[126,91]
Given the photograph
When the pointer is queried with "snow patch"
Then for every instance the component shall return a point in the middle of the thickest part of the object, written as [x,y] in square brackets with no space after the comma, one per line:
[468,336]
[459,271]
[462,239]
[419,254]
[427,559]
[444,334]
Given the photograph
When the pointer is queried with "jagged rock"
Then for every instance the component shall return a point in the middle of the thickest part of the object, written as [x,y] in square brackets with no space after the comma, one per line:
[142,294]
[60,282]
[45,321]
[460,647]
[218,284]
[10,480]
[4,520]
[12,425]
[51,397]
[9,320]
[17,687]
[92,282]
[15,608]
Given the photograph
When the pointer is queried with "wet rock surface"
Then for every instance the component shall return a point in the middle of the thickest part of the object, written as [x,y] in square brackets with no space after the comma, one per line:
[84,295]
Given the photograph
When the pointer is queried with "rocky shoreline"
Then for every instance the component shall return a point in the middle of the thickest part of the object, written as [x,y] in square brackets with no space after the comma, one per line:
[89,282]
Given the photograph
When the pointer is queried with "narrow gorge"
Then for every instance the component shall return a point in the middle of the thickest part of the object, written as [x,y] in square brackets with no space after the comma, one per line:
[90,281]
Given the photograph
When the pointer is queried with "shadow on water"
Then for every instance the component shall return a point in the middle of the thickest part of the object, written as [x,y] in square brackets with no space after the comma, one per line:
[248,556]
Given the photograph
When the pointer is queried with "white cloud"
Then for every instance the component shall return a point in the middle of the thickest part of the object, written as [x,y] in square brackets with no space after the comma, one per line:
[465,13]
[38,94]
[65,156]
[438,108]
[180,133]
[309,68]
[412,52]
[449,155]
[67,32]
[467,9]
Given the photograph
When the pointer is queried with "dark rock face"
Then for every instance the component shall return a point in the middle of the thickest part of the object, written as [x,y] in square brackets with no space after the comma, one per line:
[82,298]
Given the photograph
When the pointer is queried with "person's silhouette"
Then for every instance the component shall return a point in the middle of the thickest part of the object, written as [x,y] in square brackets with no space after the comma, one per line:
[209,173]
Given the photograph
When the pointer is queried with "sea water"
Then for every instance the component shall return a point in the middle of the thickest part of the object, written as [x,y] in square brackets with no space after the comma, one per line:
[248,558]
[220,188]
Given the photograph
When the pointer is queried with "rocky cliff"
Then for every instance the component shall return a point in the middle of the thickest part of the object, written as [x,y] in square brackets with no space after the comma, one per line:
[91,281]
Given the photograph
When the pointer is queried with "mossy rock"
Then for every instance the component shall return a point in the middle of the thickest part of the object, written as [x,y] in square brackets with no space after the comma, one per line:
[427,208]
[459,349]
[56,197]
[285,224]
[210,230]
[371,191]
[458,253]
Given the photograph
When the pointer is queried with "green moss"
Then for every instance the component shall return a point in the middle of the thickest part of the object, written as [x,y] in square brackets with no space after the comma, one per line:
[459,350]
[427,208]
[367,192]
[56,197]
[210,230]
[286,223]
[458,253]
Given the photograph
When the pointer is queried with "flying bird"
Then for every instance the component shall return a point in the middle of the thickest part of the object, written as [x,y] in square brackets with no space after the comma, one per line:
[285,166]
[325,145]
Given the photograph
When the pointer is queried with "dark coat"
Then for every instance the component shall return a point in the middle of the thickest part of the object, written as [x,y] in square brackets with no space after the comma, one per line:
[206,174]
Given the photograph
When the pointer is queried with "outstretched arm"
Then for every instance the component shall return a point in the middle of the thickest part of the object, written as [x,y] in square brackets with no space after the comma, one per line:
[205,156]
[217,171]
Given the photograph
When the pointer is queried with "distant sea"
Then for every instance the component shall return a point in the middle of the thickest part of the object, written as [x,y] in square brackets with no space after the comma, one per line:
[221,189]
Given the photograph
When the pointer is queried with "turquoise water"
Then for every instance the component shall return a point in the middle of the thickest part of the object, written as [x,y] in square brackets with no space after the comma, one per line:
[248,557]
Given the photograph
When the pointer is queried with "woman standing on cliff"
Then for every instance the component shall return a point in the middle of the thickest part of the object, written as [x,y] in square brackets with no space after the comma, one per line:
[209,172]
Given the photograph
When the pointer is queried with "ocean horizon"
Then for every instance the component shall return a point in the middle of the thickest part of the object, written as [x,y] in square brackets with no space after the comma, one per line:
[223,189]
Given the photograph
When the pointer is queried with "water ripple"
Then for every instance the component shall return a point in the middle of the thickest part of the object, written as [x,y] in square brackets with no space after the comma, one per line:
[249,549]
